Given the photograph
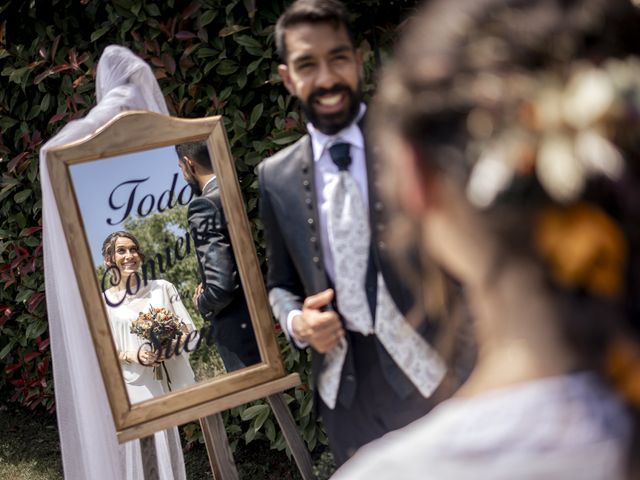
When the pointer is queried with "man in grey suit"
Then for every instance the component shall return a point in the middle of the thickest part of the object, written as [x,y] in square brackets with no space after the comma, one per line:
[372,372]
[219,297]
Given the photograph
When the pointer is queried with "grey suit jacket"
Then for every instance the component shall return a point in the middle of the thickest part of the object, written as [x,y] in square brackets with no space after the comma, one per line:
[294,254]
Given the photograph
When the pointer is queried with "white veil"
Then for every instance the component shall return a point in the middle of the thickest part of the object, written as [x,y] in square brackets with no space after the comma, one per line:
[87,433]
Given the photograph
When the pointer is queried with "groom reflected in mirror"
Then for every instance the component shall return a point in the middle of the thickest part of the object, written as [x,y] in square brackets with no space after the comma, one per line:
[219,297]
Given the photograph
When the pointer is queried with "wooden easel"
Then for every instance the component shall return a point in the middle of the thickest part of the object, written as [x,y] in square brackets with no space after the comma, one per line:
[220,457]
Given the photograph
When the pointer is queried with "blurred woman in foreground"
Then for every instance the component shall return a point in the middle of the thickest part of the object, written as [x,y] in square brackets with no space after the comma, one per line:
[510,132]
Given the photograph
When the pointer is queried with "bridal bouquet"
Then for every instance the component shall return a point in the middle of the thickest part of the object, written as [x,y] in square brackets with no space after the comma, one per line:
[160,327]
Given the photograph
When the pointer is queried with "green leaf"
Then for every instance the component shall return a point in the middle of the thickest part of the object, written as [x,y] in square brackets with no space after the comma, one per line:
[230,30]
[287,139]
[207,52]
[261,418]
[247,41]
[152,9]
[256,113]
[233,429]
[253,411]
[7,348]
[32,241]
[226,67]
[269,430]
[100,32]
[207,17]
[34,112]
[34,330]
[23,295]
[241,79]
[253,65]
[7,122]
[46,100]
[22,195]
[16,75]
[307,404]
[250,436]
[226,93]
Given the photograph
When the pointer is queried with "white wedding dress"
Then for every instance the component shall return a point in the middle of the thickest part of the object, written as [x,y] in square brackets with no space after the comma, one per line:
[140,380]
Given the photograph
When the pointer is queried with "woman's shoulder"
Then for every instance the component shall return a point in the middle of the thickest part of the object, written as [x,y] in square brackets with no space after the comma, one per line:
[570,424]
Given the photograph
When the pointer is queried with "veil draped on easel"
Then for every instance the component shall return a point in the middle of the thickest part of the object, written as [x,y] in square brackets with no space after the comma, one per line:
[87,434]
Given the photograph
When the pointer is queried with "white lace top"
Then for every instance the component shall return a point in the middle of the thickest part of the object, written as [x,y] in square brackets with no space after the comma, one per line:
[566,427]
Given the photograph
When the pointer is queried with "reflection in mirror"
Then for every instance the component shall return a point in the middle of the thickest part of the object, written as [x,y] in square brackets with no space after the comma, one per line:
[166,268]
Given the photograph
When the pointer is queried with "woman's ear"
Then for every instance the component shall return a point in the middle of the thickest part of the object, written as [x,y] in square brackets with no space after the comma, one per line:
[107,262]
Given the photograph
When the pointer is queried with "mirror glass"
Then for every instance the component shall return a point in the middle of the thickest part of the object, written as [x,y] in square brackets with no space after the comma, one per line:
[165,266]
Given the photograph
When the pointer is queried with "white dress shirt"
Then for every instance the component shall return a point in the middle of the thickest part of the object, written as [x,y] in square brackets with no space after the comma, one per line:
[326,172]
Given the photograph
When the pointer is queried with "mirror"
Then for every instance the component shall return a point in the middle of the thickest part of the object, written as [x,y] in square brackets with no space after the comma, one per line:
[167,269]
[148,278]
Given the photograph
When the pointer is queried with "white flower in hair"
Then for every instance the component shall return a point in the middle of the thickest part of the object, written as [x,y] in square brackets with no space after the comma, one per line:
[558,168]
[588,97]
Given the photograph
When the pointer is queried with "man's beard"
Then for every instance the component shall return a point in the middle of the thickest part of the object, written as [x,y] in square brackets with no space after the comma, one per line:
[330,124]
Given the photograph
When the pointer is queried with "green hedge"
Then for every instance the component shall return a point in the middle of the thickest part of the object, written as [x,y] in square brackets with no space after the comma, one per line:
[211,57]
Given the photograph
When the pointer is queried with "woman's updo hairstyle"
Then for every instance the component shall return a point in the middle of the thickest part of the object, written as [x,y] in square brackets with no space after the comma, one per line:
[532,107]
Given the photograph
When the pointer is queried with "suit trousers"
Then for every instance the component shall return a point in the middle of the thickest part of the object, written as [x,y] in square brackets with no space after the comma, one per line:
[376,408]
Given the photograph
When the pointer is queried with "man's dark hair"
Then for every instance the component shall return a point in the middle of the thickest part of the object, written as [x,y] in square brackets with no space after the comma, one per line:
[311,11]
[196,151]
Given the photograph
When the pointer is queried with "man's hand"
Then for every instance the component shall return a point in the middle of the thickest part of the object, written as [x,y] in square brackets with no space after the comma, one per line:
[321,330]
[196,295]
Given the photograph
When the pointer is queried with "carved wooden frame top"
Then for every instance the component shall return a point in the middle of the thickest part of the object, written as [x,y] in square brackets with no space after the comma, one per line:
[132,132]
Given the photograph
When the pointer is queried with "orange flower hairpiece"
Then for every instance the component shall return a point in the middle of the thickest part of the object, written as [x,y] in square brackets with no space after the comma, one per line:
[584,248]
[622,363]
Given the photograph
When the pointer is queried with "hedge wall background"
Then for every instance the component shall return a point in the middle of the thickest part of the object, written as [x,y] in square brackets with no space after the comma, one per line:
[211,57]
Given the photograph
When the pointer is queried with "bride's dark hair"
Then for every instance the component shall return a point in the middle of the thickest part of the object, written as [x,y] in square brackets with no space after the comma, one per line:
[109,245]
[470,77]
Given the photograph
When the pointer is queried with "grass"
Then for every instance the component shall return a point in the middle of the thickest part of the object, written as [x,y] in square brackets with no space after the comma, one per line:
[30,450]
[29,446]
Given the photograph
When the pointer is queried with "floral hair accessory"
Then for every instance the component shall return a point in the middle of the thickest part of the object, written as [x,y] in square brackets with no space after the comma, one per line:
[558,131]
[584,247]
[622,363]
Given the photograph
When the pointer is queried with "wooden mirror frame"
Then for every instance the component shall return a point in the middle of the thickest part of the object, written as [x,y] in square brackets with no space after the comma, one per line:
[132,132]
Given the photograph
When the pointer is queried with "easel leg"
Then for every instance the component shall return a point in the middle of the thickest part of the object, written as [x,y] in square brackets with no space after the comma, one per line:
[220,457]
[291,435]
[149,458]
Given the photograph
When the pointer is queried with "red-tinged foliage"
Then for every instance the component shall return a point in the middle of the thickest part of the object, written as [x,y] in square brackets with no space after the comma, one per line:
[190,10]
[31,355]
[15,161]
[12,367]
[31,230]
[43,345]
[57,117]
[214,57]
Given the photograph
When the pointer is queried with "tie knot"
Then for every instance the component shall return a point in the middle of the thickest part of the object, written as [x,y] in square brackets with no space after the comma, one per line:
[340,155]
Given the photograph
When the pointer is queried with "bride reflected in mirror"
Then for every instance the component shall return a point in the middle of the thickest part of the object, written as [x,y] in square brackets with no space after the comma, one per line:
[148,321]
